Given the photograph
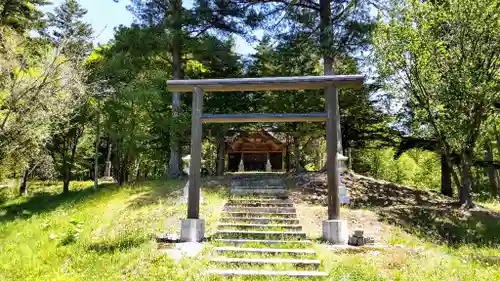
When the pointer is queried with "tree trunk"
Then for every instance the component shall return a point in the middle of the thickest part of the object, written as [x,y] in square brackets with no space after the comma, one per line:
[490,170]
[497,136]
[446,188]
[466,187]
[327,49]
[96,156]
[296,154]
[221,153]
[317,152]
[176,25]
[349,158]
[138,171]
[123,170]
[107,168]
[69,164]
[287,157]
[23,185]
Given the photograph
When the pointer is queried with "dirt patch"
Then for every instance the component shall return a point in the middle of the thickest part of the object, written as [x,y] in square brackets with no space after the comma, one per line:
[377,205]
[311,218]
[365,192]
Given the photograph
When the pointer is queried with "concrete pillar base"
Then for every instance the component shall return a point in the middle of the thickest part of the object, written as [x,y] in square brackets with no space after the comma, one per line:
[192,230]
[335,231]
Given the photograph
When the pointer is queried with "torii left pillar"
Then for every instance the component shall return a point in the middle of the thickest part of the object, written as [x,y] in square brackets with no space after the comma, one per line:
[193,228]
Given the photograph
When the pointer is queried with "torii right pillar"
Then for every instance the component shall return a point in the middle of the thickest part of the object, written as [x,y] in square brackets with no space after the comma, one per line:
[334,228]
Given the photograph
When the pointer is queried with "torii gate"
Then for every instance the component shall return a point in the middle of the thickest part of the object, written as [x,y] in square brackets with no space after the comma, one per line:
[334,229]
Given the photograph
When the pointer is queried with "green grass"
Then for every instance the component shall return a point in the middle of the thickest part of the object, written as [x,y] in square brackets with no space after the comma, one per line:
[115,229]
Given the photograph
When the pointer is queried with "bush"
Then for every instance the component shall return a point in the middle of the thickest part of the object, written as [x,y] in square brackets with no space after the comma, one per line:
[418,168]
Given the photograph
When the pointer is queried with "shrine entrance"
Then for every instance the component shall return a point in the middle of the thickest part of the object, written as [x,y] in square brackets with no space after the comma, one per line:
[192,229]
[252,151]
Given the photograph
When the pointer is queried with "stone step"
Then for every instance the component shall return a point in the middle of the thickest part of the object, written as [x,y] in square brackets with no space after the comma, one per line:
[257,200]
[264,226]
[266,273]
[262,197]
[260,209]
[261,220]
[259,186]
[260,214]
[258,182]
[268,251]
[265,261]
[263,241]
[241,192]
[263,234]
[258,204]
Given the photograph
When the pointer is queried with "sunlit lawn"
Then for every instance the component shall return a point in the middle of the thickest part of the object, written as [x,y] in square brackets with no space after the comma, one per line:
[108,234]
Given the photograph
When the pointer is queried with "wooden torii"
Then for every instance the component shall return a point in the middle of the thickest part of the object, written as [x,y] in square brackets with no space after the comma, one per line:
[334,229]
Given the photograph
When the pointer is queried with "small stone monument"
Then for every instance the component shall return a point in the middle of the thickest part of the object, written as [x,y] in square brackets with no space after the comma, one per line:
[187,161]
[343,195]
[358,238]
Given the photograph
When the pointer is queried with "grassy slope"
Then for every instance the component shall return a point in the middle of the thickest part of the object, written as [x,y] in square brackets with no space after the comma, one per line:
[116,241]
[424,236]
[118,224]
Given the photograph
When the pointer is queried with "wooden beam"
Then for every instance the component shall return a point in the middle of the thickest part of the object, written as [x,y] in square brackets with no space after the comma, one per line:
[195,164]
[331,98]
[266,83]
[264,117]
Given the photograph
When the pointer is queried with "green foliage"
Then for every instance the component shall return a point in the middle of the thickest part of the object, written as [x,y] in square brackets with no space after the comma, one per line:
[69,32]
[447,81]
[71,235]
[22,15]
[39,89]
[418,168]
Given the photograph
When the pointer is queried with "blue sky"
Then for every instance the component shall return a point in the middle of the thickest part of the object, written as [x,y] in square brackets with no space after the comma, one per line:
[105,15]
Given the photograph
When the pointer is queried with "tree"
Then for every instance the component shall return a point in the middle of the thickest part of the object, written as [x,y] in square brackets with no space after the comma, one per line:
[69,32]
[22,15]
[72,37]
[442,58]
[138,116]
[362,121]
[331,29]
[37,86]
[182,25]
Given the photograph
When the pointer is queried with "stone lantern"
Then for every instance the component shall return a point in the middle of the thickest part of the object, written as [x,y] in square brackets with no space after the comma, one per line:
[343,195]
[186,161]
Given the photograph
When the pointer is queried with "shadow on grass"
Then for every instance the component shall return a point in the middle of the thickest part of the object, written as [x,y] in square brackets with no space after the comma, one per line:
[123,244]
[446,224]
[41,202]
[160,191]
[425,214]
[173,190]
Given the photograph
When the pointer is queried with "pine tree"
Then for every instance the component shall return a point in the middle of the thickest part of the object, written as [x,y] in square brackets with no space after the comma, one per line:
[183,26]
[69,32]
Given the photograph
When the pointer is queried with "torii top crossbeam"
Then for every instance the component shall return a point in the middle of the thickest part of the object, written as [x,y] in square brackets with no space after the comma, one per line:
[266,83]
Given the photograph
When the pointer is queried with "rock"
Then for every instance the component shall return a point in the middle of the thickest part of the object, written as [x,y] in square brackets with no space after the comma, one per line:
[167,238]
[358,232]
[356,241]
[369,240]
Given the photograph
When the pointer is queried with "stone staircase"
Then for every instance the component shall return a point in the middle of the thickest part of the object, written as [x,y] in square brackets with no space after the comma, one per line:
[259,233]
